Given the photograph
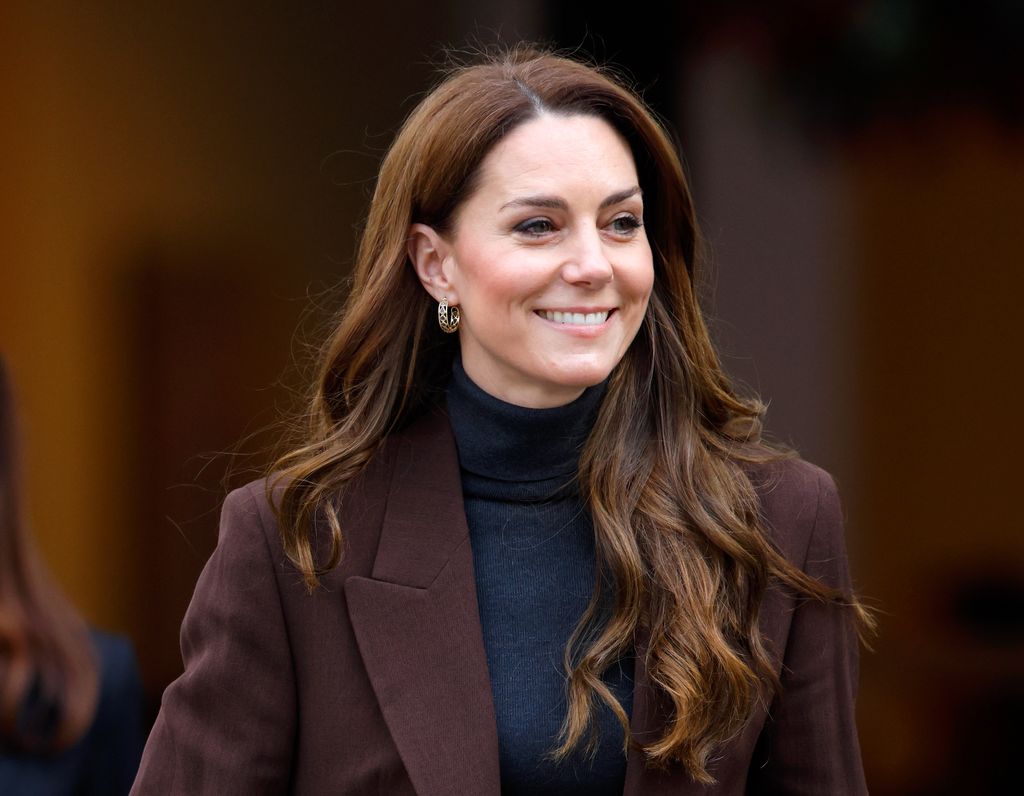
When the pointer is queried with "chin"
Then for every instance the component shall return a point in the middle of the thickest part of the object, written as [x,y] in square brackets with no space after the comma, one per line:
[580,377]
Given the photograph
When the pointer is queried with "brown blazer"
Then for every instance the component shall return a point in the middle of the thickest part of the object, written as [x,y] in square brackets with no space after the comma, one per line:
[377,683]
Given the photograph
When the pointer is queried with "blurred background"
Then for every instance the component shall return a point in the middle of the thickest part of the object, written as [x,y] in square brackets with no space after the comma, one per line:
[181,185]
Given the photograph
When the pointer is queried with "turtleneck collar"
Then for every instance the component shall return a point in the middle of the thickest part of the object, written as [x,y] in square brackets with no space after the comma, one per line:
[505,442]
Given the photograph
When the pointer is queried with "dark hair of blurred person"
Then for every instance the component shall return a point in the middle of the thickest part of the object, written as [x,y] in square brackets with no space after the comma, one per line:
[47,670]
[70,698]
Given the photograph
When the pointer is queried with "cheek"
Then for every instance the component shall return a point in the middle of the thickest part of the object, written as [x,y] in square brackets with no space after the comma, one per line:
[648,280]
[639,278]
[488,281]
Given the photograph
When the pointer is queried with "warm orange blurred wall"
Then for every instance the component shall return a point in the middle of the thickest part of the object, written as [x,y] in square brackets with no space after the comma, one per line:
[169,126]
[54,314]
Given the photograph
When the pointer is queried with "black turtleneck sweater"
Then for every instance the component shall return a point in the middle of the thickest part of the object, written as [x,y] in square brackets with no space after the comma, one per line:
[533,557]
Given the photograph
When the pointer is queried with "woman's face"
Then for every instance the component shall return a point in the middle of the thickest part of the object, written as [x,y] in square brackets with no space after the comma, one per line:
[548,261]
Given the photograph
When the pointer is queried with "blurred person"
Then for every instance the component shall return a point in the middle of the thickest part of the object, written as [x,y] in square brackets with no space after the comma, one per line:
[70,697]
[532,540]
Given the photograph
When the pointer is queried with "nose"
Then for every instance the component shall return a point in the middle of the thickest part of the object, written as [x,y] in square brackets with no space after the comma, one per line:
[587,262]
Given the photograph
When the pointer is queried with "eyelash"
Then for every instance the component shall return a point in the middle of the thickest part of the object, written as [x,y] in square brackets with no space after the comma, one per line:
[632,223]
[528,227]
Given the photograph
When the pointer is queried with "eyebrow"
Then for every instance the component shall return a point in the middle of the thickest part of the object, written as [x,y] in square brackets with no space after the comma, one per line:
[557,203]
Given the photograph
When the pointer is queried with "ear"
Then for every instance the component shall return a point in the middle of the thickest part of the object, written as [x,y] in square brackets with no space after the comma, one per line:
[431,256]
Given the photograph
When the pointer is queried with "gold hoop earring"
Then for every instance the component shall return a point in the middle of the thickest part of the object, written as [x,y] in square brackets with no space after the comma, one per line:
[447,319]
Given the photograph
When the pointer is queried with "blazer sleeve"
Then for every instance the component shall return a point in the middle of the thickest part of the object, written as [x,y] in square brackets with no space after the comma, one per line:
[227,724]
[809,744]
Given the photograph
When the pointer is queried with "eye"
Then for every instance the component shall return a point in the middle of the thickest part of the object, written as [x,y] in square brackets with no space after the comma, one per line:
[625,225]
[535,227]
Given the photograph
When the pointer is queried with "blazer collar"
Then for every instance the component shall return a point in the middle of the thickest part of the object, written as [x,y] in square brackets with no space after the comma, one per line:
[417,624]
[424,522]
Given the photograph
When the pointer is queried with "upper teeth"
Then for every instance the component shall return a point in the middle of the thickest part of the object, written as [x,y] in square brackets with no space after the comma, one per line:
[576,318]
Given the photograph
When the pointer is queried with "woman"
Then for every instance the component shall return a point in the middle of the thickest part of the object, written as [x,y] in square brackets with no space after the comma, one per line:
[532,541]
[70,698]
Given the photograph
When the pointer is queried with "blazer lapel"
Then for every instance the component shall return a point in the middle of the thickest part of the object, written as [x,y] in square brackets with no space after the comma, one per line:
[418,627]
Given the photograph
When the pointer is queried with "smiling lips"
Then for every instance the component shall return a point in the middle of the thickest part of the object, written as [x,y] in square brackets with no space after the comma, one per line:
[575,318]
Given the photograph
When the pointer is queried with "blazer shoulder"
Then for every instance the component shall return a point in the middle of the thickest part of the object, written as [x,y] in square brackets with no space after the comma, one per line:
[260,497]
[254,503]
[250,511]
[795,495]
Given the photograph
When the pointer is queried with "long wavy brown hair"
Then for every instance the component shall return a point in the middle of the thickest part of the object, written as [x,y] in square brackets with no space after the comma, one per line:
[49,678]
[675,514]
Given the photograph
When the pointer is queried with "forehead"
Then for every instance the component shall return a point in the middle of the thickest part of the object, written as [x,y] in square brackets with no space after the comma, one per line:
[558,154]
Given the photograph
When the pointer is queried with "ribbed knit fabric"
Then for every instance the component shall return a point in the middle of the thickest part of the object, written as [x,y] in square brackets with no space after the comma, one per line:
[533,556]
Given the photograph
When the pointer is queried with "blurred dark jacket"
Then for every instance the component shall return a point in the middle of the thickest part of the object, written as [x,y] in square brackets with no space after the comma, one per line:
[377,682]
[104,761]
